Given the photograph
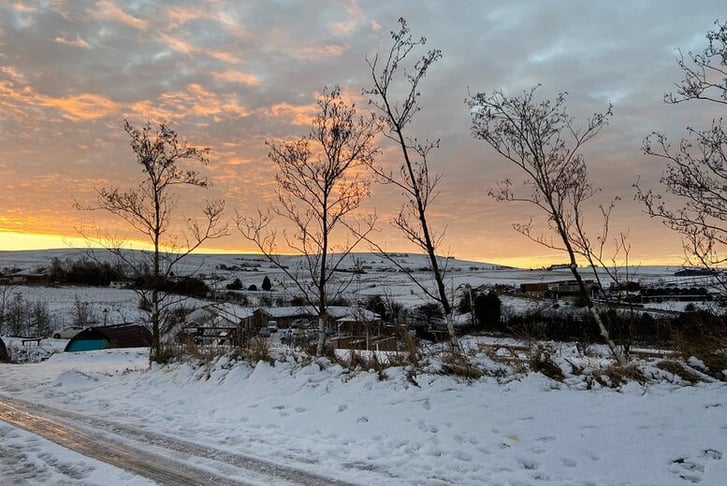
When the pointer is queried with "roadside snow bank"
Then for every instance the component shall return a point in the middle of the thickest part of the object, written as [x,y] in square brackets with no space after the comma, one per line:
[356,427]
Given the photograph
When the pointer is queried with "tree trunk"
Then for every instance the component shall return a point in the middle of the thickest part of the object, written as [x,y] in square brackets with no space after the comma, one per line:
[597,317]
[321,335]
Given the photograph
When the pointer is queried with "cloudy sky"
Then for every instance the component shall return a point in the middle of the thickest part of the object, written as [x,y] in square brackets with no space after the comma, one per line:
[231,75]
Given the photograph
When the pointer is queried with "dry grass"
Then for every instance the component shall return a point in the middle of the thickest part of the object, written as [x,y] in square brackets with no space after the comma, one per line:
[615,375]
[258,349]
[677,369]
[541,360]
[711,349]
[455,362]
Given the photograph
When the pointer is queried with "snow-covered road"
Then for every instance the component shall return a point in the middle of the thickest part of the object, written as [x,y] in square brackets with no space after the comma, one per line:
[162,459]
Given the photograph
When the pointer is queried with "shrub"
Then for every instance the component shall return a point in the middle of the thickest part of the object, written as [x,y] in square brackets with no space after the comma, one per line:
[455,362]
[488,311]
[540,360]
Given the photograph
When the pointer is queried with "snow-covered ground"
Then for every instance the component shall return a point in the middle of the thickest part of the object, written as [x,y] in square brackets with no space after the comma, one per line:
[318,417]
[28,459]
[353,426]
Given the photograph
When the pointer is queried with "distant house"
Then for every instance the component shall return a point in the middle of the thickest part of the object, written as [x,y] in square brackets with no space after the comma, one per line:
[222,323]
[694,272]
[284,315]
[336,316]
[118,336]
[25,278]
[121,284]
[534,289]
[571,288]
[354,320]
[559,266]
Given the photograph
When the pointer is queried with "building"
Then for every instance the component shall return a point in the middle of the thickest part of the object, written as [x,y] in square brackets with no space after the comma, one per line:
[118,336]
[535,289]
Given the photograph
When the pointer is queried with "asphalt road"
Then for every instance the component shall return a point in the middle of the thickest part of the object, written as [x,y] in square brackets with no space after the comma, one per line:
[163,459]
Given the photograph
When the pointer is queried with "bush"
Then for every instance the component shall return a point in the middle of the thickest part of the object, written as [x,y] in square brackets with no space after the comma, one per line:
[389,310]
[24,318]
[235,285]
[488,311]
[83,272]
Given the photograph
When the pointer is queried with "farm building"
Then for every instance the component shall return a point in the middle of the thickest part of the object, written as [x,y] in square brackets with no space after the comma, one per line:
[335,315]
[118,336]
[219,324]
[534,289]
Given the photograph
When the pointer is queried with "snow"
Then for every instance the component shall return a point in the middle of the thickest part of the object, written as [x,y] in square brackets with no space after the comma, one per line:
[30,459]
[411,427]
[321,417]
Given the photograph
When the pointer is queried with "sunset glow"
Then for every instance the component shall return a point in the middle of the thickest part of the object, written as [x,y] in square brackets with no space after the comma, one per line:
[233,75]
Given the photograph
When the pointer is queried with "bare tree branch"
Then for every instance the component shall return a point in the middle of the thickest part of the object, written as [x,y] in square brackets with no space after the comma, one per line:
[539,137]
[148,209]
[390,76]
[695,171]
[319,187]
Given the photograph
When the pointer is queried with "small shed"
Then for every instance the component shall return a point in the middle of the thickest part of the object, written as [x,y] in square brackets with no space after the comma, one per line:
[4,356]
[118,336]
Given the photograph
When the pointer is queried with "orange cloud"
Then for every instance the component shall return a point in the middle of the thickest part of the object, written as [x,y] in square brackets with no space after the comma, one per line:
[317,52]
[295,114]
[19,7]
[77,42]
[11,72]
[176,44]
[196,100]
[86,106]
[224,56]
[107,10]
[357,16]
[237,77]
[179,15]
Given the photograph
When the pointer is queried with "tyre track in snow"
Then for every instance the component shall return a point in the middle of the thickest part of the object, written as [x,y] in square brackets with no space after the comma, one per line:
[160,458]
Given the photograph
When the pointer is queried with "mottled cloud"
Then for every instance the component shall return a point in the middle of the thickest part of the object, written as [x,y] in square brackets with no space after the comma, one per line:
[232,75]
[110,11]
[86,106]
[76,42]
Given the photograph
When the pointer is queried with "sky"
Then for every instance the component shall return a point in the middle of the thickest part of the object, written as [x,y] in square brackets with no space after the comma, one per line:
[233,75]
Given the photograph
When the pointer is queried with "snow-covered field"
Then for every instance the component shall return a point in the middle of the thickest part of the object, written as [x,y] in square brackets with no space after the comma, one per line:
[318,417]
[352,426]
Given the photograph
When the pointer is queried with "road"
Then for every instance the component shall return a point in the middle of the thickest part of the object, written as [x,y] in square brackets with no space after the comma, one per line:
[163,459]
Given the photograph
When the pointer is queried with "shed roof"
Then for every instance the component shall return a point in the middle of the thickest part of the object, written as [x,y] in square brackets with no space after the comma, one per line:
[118,336]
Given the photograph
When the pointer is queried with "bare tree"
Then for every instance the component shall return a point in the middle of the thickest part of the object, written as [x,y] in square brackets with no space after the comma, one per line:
[319,187]
[395,97]
[541,140]
[696,169]
[149,208]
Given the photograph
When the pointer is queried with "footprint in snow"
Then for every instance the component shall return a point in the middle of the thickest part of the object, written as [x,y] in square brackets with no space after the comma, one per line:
[712,454]
[341,408]
[687,469]
[362,419]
